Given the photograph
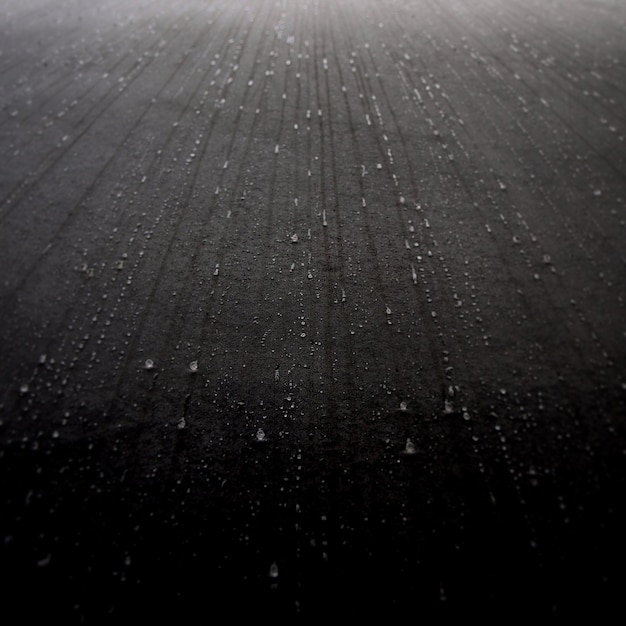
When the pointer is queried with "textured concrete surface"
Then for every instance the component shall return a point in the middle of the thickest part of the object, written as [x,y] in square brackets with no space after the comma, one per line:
[312,308]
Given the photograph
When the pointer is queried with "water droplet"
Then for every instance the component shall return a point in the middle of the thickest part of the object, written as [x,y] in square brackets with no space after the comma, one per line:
[409,447]
[193,366]
[182,423]
[149,364]
[260,435]
[273,573]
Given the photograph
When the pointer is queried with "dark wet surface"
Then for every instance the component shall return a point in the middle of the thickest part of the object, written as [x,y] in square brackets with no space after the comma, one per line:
[255,253]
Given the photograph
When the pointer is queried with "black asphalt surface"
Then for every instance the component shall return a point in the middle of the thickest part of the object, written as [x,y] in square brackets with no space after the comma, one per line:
[312,310]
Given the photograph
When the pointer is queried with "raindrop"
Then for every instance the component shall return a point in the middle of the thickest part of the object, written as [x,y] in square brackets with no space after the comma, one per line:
[149,364]
[409,447]
[260,435]
[182,423]
[273,573]
[193,366]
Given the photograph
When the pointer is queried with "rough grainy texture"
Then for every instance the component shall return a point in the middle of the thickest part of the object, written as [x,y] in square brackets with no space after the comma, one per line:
[312,308]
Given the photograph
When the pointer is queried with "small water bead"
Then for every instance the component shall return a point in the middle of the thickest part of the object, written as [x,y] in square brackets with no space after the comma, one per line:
[409,447]
[149,364]
[260,435]
[193,366]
